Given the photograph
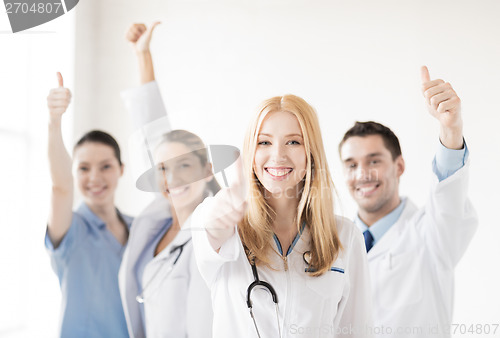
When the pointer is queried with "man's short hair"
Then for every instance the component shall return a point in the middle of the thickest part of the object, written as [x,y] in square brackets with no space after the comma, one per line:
[363,129]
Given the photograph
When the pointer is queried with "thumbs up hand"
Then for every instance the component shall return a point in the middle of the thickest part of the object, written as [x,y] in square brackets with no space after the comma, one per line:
[227,210]
[58,99]
[444,104]
[140,36]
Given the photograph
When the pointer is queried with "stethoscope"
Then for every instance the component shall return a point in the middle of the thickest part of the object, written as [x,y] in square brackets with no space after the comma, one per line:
[140,297]
[270,289]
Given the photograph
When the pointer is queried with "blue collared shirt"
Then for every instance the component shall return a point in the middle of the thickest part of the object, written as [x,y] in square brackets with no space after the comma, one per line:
[445,163]
[448,161]
[380,227]
[87,263]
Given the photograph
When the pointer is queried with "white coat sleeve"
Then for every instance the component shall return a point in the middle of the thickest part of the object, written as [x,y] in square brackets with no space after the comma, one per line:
[150,121]
[354,317]
[208,260]
[144,104]
[199,312]
[449,220]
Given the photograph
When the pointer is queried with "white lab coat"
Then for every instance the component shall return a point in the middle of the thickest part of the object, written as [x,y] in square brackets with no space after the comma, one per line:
[177,305]
[412,266]
[308,306]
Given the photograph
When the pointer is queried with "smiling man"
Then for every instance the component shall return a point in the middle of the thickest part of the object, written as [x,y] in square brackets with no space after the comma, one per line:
[412,252]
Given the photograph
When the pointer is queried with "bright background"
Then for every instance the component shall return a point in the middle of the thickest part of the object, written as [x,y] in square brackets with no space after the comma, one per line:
[215,61]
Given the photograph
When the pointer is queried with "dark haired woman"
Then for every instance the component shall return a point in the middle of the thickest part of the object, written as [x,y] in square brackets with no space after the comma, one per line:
[86,246]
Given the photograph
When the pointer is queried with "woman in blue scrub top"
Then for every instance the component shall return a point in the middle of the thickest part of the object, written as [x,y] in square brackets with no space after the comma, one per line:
[86,245]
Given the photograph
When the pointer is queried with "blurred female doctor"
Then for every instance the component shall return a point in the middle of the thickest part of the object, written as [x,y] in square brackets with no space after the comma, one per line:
[162,291]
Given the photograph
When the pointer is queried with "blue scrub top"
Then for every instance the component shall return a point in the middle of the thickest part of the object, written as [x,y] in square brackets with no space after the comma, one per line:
[87,263]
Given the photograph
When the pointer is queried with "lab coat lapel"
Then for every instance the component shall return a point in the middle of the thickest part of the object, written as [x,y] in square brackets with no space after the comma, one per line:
[184,234]
[186,231]
[392,235]
[145,227]
[148,224]
[182,237]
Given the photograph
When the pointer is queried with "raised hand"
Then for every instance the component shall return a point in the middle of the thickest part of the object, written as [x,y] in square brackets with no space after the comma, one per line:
[58,99]
[444,104]
[227,210]
[140,36]
[60,214]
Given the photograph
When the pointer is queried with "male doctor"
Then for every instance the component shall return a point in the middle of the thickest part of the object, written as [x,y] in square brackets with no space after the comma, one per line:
[412,252]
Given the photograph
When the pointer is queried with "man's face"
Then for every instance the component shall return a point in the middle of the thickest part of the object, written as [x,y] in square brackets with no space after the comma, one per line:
[371,174]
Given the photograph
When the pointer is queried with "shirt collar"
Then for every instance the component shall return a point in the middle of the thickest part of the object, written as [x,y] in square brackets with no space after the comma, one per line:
[290,249]
[380,227]
[94,220]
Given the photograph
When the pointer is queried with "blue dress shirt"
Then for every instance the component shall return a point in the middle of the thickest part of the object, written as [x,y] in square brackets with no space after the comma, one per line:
[445,163]
[87,263]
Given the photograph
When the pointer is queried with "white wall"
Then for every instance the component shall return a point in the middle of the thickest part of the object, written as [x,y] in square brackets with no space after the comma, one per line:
[352,60]
[28,65]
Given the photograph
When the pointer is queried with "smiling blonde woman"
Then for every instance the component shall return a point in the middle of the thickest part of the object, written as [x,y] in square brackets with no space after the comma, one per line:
[276,248]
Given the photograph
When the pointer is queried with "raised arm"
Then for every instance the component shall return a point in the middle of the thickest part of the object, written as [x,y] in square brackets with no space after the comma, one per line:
[60,166]
[449,221]
[140,37]
[213,227]
[144,103]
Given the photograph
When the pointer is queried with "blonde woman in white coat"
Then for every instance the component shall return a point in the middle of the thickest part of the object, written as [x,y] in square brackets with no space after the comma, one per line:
[283,232]
[162,292]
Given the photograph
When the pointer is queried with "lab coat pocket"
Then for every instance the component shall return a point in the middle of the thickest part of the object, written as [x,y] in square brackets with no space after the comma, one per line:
[399,280]
[166,308]
[324,293]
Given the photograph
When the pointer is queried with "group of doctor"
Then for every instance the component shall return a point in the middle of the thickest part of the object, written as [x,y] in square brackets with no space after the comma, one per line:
[264,256]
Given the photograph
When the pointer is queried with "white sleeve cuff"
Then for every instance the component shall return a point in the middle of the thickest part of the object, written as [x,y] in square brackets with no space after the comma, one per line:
[144,103]
[208,260]
[229,251]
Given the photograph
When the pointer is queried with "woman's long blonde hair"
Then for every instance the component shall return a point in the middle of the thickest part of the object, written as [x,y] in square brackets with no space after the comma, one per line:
[315,207]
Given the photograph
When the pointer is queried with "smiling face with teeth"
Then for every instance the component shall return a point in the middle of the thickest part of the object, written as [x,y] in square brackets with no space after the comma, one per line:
[372,176]
[182,175]
[280,157]
[97,173]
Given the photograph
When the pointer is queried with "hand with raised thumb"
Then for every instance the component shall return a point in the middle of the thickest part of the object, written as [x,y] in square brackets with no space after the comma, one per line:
[58,99]
[227,210]
[140,36]
[444,104]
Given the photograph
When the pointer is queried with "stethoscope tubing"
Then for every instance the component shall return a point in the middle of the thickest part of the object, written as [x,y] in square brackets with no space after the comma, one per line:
[257,282]
[269,287]
[140,297]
